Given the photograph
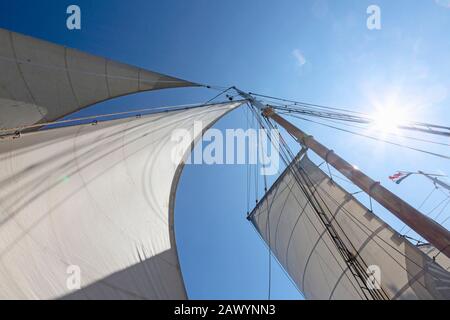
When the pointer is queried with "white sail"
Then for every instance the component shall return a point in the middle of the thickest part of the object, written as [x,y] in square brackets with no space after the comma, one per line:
[310,252]
[95,197]
[436,255]
[42,82]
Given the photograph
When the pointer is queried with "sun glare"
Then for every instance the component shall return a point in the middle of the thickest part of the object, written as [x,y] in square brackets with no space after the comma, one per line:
[388,119]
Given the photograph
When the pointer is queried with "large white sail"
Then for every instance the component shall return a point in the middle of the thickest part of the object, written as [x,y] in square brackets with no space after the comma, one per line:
[41,81]
[310,250]
[95,197]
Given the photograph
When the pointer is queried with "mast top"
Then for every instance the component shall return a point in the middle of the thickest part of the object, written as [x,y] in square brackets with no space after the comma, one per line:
[247,96]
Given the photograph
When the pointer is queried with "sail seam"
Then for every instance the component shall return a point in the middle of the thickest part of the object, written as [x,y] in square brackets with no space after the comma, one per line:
[69,77]
[23,76]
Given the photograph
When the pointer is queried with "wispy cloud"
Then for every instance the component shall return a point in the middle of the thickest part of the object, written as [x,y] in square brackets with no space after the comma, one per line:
[299,57]
[443,3]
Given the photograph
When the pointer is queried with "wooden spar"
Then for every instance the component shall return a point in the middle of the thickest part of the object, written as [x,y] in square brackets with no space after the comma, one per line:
[427,228]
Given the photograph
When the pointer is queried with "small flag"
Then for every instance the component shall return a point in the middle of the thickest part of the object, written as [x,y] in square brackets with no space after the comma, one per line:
[399,177]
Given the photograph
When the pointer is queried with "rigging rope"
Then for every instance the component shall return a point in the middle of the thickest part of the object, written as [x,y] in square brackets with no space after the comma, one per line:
[395,135]
[365,117]
[368,233]
[420,207]
[351,260]
[443,208]
[248,162]
[403,146]
[446,219]
[374,138]
[215,97]
[306,104]
[279,264]
[140,112]
[268,214]
[258,119]
[433,210]
[259,148]
[284,155]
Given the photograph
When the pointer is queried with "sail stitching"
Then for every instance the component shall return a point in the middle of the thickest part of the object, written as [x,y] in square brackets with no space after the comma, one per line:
[18,62]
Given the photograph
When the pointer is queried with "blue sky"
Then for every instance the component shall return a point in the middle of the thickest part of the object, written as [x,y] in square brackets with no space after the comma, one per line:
[315,51]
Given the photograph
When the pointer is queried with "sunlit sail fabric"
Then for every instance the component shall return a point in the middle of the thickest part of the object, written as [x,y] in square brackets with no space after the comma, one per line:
[308,249]
[42,82]
[437,256]
[100,197]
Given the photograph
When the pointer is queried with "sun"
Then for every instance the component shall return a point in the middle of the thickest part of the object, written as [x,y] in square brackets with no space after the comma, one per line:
[388,119]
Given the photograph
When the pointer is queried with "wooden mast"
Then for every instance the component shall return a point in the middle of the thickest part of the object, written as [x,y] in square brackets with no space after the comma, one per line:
[427,228]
